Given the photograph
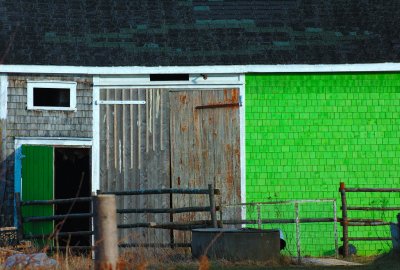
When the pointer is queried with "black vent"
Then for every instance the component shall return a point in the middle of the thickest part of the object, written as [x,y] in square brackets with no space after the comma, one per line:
[169,77]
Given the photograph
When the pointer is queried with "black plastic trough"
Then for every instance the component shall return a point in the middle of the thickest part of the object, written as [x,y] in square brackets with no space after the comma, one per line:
[236,244]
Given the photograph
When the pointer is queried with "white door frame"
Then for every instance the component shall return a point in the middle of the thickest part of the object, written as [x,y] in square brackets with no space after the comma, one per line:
[45,141]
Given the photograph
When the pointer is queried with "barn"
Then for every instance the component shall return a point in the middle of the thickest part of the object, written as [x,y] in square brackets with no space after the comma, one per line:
[267,100]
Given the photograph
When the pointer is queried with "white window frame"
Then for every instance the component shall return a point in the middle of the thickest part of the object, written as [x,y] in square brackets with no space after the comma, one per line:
[52,84]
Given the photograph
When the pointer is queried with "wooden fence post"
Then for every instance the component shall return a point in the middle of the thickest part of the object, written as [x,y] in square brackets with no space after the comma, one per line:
[298,242]
[212,206]
[344,222]
[20,228]
[105,232]
[398,226]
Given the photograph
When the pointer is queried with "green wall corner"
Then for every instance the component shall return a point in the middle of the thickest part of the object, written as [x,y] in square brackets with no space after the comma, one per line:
[305,133]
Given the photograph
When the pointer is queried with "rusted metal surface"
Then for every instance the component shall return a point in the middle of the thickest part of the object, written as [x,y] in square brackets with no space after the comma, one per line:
[369,238]
[222,105]
[346,222]
[372,189]
[359,224]
[366,208]
[205,148]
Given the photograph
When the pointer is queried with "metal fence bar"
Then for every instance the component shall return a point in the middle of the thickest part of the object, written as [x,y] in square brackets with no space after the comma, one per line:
[276,221]
[335,228]
[344,222]
[279,202]
[259,216]
[298,243]
[297,220]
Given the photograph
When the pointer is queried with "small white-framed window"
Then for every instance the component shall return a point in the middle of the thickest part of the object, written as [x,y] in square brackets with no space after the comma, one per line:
[51,95]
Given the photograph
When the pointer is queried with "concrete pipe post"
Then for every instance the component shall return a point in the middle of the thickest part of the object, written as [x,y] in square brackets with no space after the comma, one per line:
[105,232]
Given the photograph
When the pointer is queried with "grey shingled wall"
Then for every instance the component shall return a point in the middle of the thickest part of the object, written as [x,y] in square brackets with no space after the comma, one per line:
[39,123]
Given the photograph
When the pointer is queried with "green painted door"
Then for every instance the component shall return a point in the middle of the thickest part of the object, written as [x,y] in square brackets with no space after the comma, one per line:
[37,184]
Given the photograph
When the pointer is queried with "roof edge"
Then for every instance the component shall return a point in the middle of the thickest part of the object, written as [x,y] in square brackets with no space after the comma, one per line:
[223,69]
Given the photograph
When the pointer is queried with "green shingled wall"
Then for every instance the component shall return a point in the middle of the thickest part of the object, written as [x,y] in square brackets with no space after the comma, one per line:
[305,133]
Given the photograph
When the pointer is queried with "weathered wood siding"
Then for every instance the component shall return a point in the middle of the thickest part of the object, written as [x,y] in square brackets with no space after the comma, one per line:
[135,154]
[141,145]
[205,148]
[3,169]
[40,123]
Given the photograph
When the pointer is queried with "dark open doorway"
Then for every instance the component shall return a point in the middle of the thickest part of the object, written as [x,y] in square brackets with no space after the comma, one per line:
[72,179]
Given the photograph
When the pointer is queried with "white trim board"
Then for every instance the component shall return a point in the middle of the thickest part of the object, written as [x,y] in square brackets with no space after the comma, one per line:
[50,85]
[193,79]
[242,126]
[56,141]
[212,69]
[3,96]
[96,136]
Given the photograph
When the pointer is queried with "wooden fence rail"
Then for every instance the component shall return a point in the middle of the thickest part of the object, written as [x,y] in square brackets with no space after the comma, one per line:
[32,219]
[58,201]
[164,210]
[346,222]
[161,191]
[180,226]
[187,225]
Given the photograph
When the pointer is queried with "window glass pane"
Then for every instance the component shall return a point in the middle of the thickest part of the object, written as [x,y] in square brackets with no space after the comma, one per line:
[51,97]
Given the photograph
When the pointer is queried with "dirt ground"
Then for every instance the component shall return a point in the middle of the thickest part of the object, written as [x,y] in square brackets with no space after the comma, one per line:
[169,261]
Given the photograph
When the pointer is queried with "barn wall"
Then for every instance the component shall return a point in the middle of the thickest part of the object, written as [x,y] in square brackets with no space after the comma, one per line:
[135,154]
[168,142]
[307,132]
[3,156]
[39,123]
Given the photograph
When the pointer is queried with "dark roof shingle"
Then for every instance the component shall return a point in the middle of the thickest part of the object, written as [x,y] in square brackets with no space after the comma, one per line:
[213,32]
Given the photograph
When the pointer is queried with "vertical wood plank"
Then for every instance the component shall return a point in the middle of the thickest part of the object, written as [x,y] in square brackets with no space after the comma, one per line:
[37,184]
[206,151]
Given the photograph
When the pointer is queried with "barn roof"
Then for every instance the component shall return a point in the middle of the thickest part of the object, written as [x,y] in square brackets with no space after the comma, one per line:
[193,32]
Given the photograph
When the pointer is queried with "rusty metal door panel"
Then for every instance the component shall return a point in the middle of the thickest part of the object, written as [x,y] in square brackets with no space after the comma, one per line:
[205,148]
[134,151]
